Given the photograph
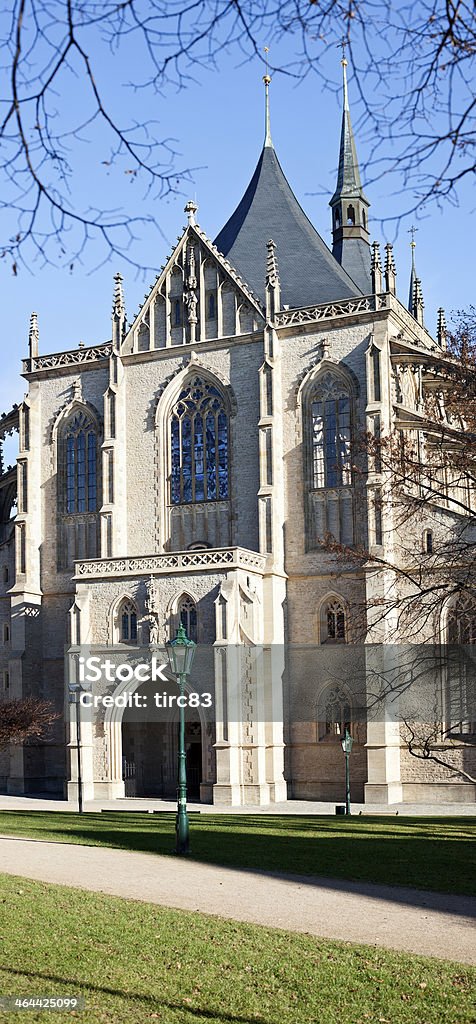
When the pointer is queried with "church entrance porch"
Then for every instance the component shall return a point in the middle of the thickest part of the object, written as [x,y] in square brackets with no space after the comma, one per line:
[149,747]
[150,758]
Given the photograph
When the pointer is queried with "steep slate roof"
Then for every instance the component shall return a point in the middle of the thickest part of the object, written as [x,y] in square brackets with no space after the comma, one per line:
[308,271]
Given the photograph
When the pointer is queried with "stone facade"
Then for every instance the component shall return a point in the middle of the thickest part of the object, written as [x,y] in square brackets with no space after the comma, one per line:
[113,508]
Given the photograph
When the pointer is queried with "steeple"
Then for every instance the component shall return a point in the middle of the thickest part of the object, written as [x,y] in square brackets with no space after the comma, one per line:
[349,204]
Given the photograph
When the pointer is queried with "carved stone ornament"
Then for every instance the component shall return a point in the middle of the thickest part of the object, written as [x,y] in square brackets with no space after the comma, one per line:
[152,598]
[153,630]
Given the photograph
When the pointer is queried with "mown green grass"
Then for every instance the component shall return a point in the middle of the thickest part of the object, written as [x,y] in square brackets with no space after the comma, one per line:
[426,853]
[133,962]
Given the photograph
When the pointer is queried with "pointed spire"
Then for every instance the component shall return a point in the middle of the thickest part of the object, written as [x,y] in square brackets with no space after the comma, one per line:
[390,270]
[33,336]
[267,119]
[118,312]
[348,175]
[349,203]
[442,329]
[418,303]
[412,231]
[415,294]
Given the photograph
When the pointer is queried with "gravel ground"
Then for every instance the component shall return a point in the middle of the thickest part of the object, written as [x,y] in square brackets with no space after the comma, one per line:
[431,924]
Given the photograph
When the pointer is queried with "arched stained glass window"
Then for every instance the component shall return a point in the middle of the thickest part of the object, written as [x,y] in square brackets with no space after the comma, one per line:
[81,465]
[128,622]
[333,623]
[331,427]
[188,617]
[199,445]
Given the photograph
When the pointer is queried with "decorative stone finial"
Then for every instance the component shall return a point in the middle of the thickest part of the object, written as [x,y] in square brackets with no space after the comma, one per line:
[272,273]
[118,312]
[190,209]
[273,289]
[418,303]
[77,390]
[376,269]
[442,329]
[118,300]
[390,271]
[33,336]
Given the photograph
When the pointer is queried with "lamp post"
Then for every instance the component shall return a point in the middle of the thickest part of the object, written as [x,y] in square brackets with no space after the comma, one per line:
[346,743]
[74,698]
[180,653]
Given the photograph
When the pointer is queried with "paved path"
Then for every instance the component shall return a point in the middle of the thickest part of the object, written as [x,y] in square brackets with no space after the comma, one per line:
[33,803]
[405,919]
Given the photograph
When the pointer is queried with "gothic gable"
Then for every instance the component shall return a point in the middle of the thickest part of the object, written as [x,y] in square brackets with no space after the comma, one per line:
[198,296]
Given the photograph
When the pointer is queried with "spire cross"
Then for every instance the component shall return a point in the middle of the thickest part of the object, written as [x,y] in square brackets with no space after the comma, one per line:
[344,63]
[412,231]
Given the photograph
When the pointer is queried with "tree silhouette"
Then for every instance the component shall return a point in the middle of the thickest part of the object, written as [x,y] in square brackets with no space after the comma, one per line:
[412,65]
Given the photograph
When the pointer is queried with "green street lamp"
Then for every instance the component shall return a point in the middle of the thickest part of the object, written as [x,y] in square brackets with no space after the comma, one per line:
[346,743]
[180,653]
[75,690]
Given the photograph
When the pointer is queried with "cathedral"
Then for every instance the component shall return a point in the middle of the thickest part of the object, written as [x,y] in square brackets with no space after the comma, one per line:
[191,471]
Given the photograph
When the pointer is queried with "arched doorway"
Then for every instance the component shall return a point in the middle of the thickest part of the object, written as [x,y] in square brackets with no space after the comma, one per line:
[150,748]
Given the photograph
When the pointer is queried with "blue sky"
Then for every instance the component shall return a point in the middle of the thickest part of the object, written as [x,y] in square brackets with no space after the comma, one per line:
[218,124]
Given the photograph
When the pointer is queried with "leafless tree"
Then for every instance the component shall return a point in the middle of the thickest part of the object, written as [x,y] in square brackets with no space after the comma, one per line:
[412,64]
[25,719]
[428,498]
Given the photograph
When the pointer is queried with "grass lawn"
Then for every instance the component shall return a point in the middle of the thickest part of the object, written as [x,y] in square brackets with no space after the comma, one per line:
[132,962]
[425,853]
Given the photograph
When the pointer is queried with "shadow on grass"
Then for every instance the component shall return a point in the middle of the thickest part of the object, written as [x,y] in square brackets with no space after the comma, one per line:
[151,1002]
[430,854]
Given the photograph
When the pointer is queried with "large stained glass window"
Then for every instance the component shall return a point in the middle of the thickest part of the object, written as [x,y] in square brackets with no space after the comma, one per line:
[81,465]
[199,445]
[331,427]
